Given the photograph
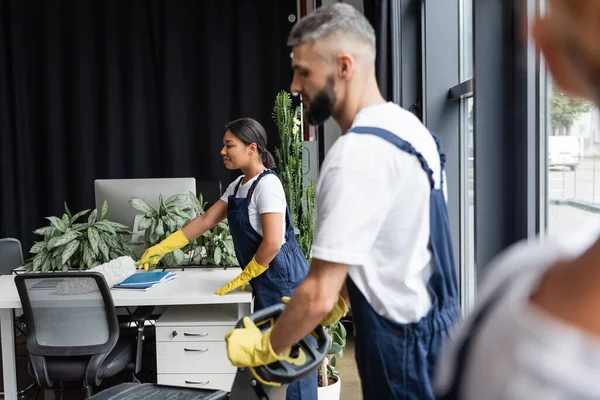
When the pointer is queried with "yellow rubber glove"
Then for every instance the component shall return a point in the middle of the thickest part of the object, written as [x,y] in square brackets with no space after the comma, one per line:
[339,310]
[153,255]
[252,270]
[249,347]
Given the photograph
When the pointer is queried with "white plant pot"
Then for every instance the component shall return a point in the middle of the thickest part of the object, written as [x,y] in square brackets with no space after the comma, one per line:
[331,392]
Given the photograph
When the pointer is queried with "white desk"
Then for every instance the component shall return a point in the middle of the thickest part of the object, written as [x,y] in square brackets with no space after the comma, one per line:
[190,287]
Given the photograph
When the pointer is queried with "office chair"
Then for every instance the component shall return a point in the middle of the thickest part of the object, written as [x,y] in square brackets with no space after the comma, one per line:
[74,338]
[11,255]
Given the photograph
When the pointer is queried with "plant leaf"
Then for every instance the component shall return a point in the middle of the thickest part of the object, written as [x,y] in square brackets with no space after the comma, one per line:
[40,259]
[62,240]
[144,223]
[88,255]
[79,215]
[69,250]
[66,220]
[176,200]
[217,256]
[103,249]
[94,238]
[143,207]
[335,348]
[67,211]
[43,231]
[58,223]
[104,227]
[179,256]
[37,247]
[119,228]
[104,210]
[80,227]
[93,217]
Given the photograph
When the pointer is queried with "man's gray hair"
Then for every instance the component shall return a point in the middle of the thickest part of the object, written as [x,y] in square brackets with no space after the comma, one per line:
[335,18]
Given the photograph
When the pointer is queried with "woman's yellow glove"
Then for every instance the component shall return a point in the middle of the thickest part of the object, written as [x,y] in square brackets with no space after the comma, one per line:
[339,310]
[153,255]
[252,270]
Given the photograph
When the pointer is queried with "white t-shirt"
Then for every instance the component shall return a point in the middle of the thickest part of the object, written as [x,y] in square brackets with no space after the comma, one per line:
[372,203]
[268,197]
[520,351]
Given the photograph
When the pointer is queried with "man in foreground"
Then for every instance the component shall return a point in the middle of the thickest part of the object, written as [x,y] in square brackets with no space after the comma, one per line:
[382,241]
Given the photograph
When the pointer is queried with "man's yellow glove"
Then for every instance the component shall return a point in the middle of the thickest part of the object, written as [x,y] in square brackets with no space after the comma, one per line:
[153,255]
[339,310]
[252,270]
[249,347]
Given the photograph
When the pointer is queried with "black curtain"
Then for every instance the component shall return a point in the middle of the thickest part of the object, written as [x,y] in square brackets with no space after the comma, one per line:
[127,89]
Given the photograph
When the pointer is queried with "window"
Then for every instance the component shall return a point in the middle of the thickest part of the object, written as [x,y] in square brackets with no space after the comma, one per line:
[467,159]
[572,159]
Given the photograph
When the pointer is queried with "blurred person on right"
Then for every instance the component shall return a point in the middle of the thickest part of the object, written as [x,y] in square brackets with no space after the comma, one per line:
[535,333]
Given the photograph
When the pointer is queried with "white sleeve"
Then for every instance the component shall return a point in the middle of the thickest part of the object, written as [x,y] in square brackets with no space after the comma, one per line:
[351,208]
[230,189]
[269,196]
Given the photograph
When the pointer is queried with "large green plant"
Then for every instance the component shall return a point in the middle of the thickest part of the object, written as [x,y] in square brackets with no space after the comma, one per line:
[158,224]
[68,244]
[289,168]
[215,246]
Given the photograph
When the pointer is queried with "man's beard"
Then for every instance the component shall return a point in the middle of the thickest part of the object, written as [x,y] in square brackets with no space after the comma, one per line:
[321,106]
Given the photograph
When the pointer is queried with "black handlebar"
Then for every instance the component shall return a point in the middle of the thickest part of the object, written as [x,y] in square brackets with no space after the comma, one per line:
[315,347]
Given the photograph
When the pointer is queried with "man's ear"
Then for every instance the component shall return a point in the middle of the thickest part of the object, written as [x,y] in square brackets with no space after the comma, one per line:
[345,66]
[564,75]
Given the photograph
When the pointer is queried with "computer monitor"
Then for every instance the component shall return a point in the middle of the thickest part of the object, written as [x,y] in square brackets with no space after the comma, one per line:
[118,192]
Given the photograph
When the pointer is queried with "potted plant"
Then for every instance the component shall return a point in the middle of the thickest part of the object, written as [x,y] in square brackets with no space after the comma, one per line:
[172,215]
[69,244]
[289,169]
[214,247]
[329,383]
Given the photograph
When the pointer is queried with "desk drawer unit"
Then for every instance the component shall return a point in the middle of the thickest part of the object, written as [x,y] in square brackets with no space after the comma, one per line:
[190,346]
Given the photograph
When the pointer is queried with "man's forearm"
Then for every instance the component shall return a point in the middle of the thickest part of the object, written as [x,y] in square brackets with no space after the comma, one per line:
[302,314]
[312,300]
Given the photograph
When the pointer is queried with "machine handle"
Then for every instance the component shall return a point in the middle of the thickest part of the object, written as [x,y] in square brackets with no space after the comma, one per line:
[195,334]
[315,346]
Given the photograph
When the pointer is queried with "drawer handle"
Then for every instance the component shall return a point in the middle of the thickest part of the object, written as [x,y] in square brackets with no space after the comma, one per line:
[197,383]
[200,350]
[195,334]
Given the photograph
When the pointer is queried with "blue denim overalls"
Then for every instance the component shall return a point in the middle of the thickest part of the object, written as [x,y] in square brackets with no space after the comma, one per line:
[287,270]
[396,361]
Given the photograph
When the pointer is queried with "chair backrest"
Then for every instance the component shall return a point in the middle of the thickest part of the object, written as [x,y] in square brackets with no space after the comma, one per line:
[77,326]
[11,255]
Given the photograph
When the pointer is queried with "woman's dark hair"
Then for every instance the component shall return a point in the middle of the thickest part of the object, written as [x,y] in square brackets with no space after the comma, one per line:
[250,131]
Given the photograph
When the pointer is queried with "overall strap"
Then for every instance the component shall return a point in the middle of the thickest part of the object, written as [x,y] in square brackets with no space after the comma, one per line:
[438,143]
[398,142]
[238,185]
[262,175]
